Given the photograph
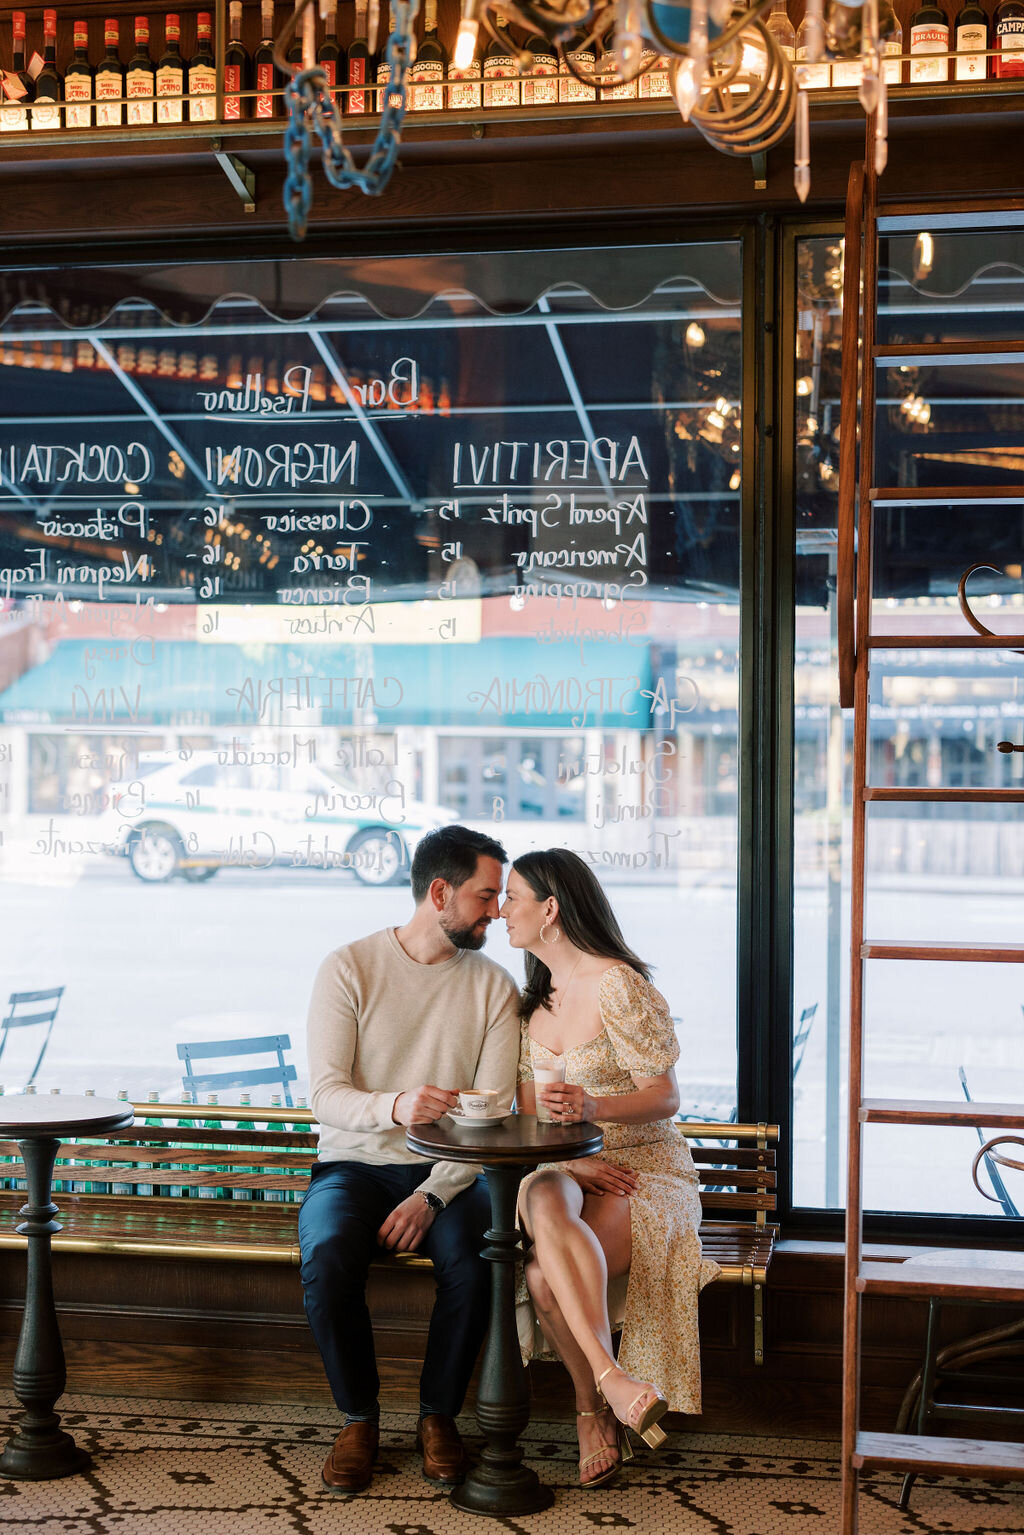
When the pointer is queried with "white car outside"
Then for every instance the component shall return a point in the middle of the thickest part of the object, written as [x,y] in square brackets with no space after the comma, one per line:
[197,816]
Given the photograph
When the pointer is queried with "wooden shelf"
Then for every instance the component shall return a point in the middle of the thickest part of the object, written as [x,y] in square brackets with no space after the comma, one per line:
[930,1453]
[946,642]
[955,1112]
[939,495]
[982,954]
[952,353]
[946,796]
[922,1281]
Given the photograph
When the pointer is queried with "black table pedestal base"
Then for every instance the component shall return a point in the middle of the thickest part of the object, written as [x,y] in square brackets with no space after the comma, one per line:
[501,1484]
[40,1452]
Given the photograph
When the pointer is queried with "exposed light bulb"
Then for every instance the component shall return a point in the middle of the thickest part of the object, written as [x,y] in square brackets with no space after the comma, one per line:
[465,42]
[686,89]
[695,336]
[924,256]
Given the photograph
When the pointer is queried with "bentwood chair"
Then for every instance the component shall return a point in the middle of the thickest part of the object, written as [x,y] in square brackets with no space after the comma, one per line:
[29,1009]
[281,1075]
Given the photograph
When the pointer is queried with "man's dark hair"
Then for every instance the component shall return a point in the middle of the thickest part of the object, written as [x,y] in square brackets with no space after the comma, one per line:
[451,854]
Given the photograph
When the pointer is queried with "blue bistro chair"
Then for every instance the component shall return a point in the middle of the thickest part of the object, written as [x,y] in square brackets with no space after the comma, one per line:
[281,1075]
[27,1009]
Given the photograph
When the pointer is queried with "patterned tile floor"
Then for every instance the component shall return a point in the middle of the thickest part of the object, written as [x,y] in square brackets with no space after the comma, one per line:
[191,1468]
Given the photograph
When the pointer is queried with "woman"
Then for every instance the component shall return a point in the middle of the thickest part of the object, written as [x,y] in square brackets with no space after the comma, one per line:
[634,1210]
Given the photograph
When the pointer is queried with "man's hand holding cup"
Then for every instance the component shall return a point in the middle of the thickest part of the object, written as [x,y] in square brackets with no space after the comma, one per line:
[423,1105]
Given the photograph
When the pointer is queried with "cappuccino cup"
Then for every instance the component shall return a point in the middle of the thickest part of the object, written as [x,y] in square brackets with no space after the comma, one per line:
[479,1103]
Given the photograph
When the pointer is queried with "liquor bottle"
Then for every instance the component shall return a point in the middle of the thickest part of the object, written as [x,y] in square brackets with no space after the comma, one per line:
[654,81]
[540,86]
[1009,40]
[329,56]
[929,44]
[427,74]
[464,89]
[274,1196]
[78,79]
[183,1190]
[170,74]
[236,68]
[384,68]
[202,74]
[267,104]
[206,1190]
[120,1186]
[147,1188]
[782,29]
[45,114]
[970,36]
[500,70]
[813,77]
[628,90]
[17,85]
[892,48]
[585,59]
[140,77]
[109,80]
[294,54]
[360,60]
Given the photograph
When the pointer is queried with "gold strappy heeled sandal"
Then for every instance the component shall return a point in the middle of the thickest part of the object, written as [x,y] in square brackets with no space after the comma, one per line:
[647,1423]
[620,1443]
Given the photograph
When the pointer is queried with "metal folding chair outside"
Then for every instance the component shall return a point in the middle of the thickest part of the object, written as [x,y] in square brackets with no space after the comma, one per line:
[281,1075]
[38,1013]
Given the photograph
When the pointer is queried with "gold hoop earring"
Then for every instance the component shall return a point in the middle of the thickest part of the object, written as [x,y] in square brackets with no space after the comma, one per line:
[548,940]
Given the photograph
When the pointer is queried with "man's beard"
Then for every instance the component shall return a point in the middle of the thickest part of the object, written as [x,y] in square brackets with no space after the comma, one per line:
[466,937]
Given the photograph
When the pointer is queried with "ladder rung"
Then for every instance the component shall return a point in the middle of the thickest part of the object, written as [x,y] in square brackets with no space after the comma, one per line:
[946,641]
[938,495]
[949,796]
[929,1452]
[952,353]
[987,954]
[922,1280]
[954,1111]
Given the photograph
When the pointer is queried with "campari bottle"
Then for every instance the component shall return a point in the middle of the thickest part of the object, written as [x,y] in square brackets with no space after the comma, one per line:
[109,82]
[45,111]
[929,45]
[585,59]
[17,84]
[267,104]
[170,74]
[1009,40]
[970,36]
[202,74]
[78,78]
[237,65]
[500,71]
[140,77]
[360,61]
[540,85]
[329,56]
[427,74]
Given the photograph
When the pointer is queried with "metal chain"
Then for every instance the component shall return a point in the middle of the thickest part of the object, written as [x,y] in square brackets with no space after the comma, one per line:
[313,109]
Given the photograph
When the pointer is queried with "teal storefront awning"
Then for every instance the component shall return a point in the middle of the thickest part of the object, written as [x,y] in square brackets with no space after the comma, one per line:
[504,682]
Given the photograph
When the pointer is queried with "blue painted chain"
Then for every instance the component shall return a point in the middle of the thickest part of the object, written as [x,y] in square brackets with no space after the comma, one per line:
[312,108]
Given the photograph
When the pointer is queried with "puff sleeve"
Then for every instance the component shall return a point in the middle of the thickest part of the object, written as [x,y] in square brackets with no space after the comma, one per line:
[525,1055]
[638,1022]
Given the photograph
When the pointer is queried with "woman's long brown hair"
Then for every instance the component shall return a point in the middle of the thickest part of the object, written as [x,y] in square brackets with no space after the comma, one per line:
[584,915]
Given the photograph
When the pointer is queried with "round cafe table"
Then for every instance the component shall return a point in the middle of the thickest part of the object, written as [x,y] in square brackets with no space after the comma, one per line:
[39,1449]
[501,1485]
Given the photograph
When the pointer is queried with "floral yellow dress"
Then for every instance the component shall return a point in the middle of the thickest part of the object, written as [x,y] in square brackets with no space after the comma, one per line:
[658,1312]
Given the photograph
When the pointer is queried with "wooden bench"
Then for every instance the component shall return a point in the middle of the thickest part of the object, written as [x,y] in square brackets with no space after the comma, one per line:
[244,1188]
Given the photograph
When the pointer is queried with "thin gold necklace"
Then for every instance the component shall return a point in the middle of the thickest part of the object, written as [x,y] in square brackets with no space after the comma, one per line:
[557,1006]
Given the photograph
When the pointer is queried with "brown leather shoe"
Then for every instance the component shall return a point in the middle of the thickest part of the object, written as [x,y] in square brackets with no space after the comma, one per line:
[349,1466]
[444,1455]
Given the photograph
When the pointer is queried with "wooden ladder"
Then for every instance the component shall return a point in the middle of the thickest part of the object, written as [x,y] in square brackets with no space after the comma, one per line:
[859,495]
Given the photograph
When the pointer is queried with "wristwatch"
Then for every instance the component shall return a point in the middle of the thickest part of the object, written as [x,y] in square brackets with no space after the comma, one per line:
[435,1201]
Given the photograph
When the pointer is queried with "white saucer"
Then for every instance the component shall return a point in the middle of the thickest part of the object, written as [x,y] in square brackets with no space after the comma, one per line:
[477,1120]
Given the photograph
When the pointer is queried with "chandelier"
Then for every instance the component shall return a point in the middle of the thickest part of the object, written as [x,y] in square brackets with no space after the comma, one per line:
[728,72]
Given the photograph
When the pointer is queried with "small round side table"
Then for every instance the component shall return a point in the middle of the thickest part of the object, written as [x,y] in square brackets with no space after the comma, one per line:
[501,1485]
[39,1449]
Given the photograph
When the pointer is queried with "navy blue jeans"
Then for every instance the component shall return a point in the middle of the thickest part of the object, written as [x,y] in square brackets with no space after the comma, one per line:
[344,1208]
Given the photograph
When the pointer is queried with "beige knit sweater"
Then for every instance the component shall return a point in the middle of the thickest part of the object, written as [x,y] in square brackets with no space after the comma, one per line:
[380,1022]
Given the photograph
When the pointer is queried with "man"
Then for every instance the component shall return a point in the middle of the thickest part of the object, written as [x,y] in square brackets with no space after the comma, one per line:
[410,1005]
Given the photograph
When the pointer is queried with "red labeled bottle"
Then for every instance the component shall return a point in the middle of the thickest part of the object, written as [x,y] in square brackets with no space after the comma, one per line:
[359,101]
[170,74]
[329,56]
[17,85]
[237,65]
[267,104]
[109,83]
[78,78]
[140,78]
[202,74]
[45,111]
[1008,26]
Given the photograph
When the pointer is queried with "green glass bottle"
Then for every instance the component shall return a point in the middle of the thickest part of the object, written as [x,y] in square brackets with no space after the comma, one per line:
[275,1196]
[244,1125]
[183,1190]
[121,1186]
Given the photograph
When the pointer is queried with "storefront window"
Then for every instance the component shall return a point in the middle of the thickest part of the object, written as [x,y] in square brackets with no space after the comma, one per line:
[300,559]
